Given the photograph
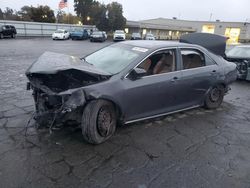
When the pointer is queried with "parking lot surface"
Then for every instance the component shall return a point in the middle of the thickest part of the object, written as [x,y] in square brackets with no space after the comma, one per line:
[196,148]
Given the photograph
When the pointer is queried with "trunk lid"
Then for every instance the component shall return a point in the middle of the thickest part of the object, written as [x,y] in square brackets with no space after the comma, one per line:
[212,42]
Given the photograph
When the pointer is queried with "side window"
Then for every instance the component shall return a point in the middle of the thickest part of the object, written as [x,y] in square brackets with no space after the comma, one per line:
[159,63]
[192,58]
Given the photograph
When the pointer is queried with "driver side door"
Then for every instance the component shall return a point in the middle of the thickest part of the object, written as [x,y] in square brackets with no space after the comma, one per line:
[154,93]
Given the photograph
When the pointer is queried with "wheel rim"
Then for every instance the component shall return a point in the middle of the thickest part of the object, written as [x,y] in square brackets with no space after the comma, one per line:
[215,94]
[104,121]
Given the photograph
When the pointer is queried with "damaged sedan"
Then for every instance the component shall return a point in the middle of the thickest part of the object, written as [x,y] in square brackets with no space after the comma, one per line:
[240,55]
[128,82]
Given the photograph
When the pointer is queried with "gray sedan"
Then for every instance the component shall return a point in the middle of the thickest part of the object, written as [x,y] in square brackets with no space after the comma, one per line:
[127,82]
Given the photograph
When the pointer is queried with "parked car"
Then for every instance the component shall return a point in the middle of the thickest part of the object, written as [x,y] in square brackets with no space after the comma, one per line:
[105,35]
[119,35]
[97,36]
[128,82]
[7,31]
[240,55]
[79,33]
[149,36]
[136,36]
[60,34]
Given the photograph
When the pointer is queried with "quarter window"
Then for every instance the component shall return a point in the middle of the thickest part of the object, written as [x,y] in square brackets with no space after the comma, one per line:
[192,58]
[209,61]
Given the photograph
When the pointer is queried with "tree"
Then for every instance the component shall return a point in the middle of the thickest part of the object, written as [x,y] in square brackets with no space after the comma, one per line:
[62,17]
[1,14]
[25,13]
[96,12]
[42,14]
[116,18]
[83,9]
[10,14]
[37,14]
[103,22]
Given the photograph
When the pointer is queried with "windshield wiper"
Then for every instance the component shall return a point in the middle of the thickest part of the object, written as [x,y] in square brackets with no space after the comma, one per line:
[83,58]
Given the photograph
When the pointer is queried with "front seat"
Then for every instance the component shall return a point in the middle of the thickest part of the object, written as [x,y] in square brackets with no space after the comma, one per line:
[165,64]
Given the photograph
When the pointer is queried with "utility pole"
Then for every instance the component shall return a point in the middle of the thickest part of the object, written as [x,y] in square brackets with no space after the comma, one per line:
[210,19]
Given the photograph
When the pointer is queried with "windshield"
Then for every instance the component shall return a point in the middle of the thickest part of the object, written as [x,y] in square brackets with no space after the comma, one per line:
[97,33]
[136,34]
[239,51]
[119,32]
[78,30]
[113,59]
[59,31]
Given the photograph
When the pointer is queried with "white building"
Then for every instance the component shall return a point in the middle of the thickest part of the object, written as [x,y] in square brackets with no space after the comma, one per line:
[172,29]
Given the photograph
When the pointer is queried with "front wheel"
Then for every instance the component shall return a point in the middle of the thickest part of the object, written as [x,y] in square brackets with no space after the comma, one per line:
[13,35]
[1,35]
[98,121]
[215,97]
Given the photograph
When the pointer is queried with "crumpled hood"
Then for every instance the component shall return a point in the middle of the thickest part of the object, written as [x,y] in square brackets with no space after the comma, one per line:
[51,63]
[55,73]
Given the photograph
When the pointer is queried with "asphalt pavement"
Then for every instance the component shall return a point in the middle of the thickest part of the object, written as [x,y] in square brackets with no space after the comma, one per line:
[196,148]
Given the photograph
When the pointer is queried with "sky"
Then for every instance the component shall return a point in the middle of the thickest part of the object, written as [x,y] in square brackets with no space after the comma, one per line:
[202,10]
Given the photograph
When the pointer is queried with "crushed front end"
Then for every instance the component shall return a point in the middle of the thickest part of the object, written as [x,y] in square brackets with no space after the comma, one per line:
[58,82]
[243,67]
[52,108]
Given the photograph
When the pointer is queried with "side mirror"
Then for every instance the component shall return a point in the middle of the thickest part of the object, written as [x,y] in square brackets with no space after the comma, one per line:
[137,73]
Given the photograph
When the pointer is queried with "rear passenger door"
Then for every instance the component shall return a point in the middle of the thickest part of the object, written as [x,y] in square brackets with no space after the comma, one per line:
[199,73]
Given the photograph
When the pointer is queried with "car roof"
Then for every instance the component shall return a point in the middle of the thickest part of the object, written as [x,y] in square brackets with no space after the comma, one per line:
[157,44]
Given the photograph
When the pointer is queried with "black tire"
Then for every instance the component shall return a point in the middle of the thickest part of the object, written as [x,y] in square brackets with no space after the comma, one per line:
[215,97]
[1,35]
[13,35]
[98,121]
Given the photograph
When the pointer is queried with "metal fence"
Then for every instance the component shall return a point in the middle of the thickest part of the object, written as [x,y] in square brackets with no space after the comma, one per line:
[38,29]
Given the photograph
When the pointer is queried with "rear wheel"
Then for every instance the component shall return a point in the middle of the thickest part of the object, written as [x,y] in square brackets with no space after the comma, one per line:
[98,121]
[215,97]
[1,35]
[13,35]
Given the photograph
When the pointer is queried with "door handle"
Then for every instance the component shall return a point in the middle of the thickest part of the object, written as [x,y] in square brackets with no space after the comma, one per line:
[213,72]
[174,79]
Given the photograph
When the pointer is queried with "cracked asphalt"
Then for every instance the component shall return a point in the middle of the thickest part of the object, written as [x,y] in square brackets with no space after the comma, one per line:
[196,148]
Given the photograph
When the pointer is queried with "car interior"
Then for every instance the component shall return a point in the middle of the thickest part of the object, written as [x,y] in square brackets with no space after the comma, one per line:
[158,63]
[192,59]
